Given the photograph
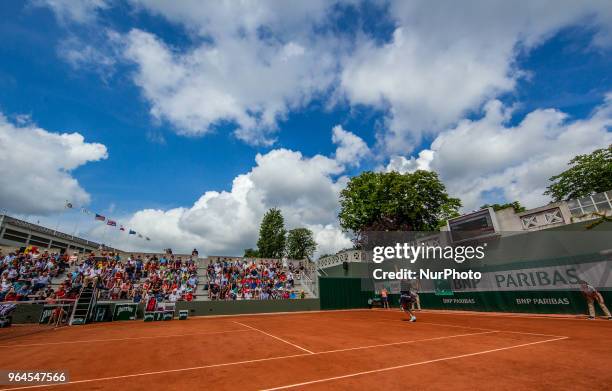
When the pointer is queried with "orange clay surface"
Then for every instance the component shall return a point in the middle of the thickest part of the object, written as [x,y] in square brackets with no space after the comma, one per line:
[338,350]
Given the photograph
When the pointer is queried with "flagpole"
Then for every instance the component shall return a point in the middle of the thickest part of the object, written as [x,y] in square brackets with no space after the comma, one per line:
[59,218]
[104,235]
[76,224]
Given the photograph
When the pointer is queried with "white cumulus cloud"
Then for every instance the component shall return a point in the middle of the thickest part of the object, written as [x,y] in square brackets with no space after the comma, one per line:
[489,155]
[351,148]
[36,165]
[447,58]
[82,11]
[304,188]
[401,164]
[251,63]
[246,82]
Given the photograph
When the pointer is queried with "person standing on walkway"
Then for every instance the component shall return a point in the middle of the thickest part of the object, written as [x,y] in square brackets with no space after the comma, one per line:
[592,295]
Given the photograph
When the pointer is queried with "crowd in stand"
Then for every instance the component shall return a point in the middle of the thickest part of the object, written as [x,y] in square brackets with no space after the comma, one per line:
[26,275]
[165,277]
[244,279]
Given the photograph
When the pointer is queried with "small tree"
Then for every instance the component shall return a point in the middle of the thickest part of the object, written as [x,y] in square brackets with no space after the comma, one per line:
[589,174]
[271,243]
[251,253]
[518,208]
[300,243]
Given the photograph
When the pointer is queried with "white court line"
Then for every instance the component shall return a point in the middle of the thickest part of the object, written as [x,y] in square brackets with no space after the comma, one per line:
[158,372]
[406,342]
[504,331]
[234,363]
[579,317]
[409,365]
[275,337]
[278,313]
[122,339]
[469,327]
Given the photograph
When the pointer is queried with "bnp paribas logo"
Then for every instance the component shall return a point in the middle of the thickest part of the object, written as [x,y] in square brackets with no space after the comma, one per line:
[543,301]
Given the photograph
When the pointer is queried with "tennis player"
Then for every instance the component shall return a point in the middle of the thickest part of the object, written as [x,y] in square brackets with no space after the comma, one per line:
[407,299]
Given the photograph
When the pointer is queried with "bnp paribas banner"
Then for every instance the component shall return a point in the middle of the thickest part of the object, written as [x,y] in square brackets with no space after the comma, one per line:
[559,277]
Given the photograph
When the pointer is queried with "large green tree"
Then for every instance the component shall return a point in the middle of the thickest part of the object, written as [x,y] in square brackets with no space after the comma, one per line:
[300,243]
[378,201]
[587,175]
[271,242]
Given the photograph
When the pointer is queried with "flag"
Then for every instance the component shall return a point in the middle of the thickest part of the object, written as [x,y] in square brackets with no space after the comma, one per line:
[68,205]
[31,249]
[121,228]
[100,217]
[111,223]
[146,237]
[132,232]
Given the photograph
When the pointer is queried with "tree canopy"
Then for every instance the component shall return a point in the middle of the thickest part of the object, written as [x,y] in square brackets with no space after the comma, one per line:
[516,205]
[271,242]
[300,243]
[251,253]
[587,175]
[378,201]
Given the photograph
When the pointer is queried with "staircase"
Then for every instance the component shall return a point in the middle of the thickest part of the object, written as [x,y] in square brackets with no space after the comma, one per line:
[83,306]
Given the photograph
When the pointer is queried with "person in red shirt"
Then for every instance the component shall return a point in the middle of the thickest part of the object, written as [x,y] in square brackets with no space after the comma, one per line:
[61,292]
[11,295]
[188,296]
[125,289]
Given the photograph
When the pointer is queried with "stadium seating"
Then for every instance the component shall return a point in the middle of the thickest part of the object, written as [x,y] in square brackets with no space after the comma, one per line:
[245,278]
[28,275]
[41,275]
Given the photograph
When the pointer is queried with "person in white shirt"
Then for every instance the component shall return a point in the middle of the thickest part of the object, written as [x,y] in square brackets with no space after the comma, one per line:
[174,296]
[592,295]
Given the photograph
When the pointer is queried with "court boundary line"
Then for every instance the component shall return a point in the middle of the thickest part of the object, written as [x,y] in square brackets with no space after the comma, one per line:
[277,313]
[519,315]
[503,331]
[407,342]
[410,365]
[475,328]
[122,339]
[275,337]
[150,373]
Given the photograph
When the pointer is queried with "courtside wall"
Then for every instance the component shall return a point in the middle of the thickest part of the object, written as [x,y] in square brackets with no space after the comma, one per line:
[345,293]
[31,313]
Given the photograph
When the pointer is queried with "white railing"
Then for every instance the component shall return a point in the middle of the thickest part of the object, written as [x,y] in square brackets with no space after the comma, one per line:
[338,259]
[310,284]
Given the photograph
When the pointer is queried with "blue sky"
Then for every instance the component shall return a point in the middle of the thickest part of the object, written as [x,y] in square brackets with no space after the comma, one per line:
[395,77]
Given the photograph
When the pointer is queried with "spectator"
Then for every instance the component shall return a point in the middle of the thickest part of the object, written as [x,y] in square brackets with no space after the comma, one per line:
[28,273]
[121,280]
[232,279]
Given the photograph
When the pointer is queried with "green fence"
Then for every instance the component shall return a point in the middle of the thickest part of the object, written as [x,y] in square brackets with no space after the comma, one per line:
[341,293]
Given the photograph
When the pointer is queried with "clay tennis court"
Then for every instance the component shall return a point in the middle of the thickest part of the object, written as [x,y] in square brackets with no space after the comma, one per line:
[355,349]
